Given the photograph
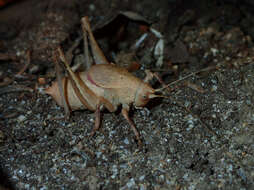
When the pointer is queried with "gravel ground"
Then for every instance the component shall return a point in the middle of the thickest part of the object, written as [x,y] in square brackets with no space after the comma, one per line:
[202,137]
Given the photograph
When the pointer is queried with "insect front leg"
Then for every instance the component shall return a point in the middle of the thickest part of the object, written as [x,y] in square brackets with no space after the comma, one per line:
[125,113]
[150,75]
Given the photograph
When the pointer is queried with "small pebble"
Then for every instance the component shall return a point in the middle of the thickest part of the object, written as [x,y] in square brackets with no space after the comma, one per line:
[21,118]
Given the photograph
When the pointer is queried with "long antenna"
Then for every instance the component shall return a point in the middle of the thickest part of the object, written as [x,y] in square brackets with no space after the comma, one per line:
[202,70]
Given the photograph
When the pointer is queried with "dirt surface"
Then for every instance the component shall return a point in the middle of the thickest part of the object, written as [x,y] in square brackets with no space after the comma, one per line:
[202,137]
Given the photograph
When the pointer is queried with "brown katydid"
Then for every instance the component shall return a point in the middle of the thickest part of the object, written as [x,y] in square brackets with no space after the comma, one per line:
[103,85]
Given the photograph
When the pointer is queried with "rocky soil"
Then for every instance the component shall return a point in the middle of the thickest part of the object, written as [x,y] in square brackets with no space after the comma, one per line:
[202,137]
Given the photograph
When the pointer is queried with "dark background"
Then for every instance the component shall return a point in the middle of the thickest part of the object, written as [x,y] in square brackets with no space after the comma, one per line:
[200,138]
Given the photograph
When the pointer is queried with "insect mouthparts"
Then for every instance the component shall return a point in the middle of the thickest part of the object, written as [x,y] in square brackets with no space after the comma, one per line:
[157,96]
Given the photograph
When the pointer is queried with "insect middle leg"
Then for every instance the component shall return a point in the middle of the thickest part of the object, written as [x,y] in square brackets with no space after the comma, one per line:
[97,119]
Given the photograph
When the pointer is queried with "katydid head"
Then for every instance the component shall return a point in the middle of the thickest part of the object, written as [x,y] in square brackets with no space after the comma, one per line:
[144,93]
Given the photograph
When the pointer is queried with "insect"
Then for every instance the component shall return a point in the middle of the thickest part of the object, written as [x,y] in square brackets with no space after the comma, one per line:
[103,85]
